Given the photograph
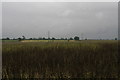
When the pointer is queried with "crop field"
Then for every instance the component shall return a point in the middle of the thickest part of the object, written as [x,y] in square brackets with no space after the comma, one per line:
[64,59]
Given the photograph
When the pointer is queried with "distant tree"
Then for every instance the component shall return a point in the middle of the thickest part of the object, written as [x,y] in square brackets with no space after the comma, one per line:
[30,38]
[44,38]
[19,39]
[71,39]
[3,39]
[85,38]
[65,39]
[48,38]
[76,38]
[53,38]
[115,38]
[7,38]
[23,37]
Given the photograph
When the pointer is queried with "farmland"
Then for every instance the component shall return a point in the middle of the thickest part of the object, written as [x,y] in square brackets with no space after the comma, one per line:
[60,59]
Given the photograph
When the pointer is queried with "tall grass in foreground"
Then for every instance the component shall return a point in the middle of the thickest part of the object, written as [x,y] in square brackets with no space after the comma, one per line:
[60,60]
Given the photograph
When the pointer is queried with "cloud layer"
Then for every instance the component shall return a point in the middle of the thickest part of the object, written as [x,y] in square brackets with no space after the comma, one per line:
[62,19]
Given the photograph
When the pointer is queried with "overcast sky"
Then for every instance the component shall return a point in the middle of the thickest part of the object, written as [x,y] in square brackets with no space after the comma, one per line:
[62,19]
[60,0]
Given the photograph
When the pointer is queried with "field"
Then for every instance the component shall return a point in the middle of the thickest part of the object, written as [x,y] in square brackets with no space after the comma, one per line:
[64,59]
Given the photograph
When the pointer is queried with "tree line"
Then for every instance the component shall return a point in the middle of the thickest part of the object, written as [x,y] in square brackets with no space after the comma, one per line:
[52,38]
[43,38]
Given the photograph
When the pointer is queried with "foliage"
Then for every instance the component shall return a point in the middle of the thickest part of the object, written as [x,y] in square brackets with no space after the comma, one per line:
[76,38]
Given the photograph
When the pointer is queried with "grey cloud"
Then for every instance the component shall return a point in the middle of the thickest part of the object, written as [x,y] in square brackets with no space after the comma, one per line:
[62,19]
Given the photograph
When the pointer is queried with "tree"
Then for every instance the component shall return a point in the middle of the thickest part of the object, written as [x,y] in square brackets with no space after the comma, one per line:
[115,38]
[30,38]
[7,38]
[85,38]
[71,39]
[76,38]
[19,39]
[53,38]
[23,37]
[44,38]
[65,38]
[48,38]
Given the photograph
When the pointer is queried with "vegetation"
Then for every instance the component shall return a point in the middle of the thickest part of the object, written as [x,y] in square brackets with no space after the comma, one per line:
[76,38]
[24,38]
[73,59]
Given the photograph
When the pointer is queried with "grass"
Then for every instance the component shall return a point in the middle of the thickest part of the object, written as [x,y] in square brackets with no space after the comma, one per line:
[81,59]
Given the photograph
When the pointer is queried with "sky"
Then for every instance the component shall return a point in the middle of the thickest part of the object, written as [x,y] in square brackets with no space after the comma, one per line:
[60,0]
[93,20]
